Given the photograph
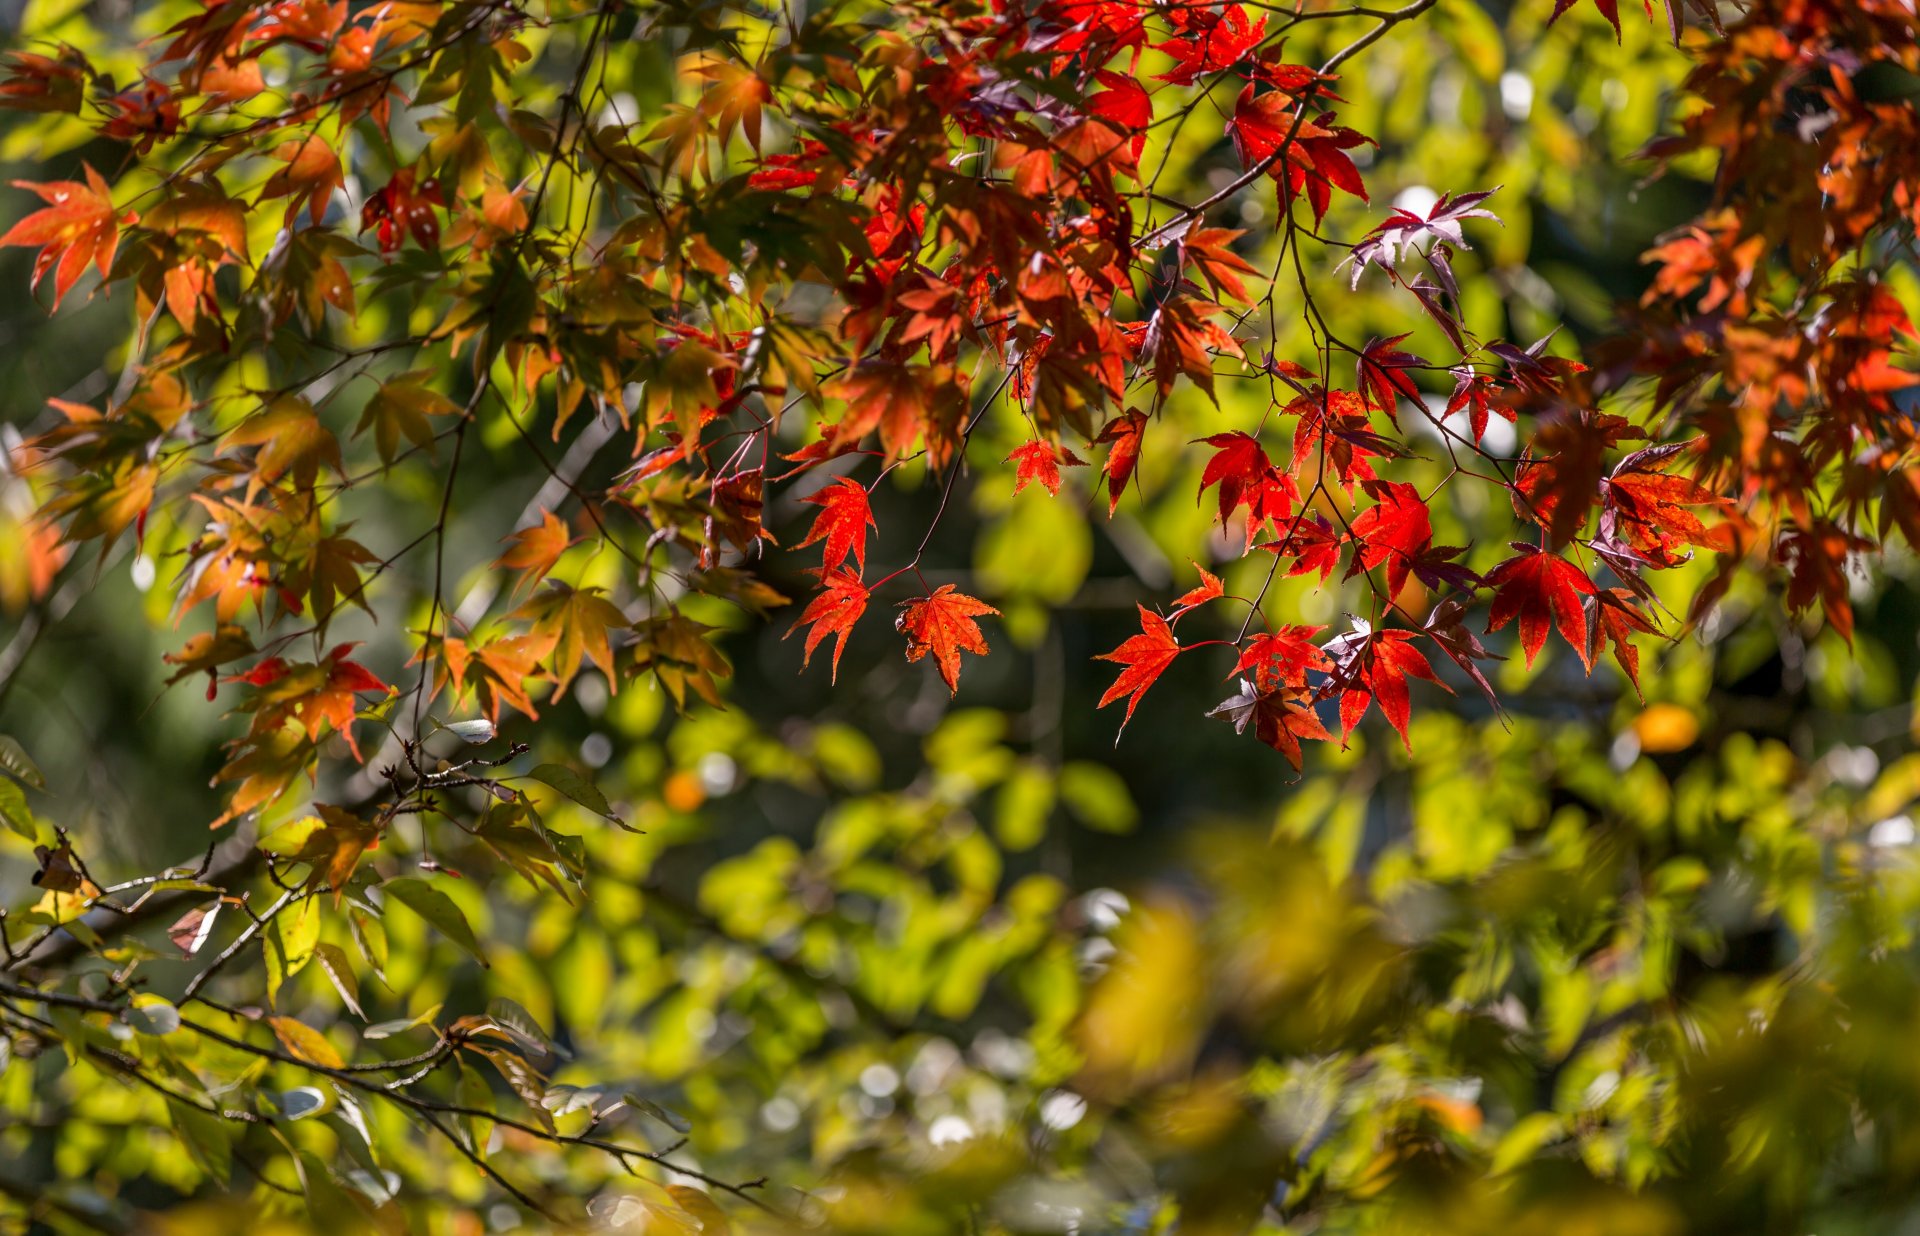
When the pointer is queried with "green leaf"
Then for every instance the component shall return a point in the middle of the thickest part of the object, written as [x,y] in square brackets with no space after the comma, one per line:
[14,810]
[153,1014]
[387,1029]
[14,759]
[208,1138]
[576,787]
[516,1021]
[665,1115]
[1098,797]
[437,908]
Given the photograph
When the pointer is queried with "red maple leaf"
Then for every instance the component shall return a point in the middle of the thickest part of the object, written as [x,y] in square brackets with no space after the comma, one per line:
[1212,41]
[1447,627]
[1396,530]
[311,693]
[943,624]
[1145,656]
[1315,159]
[1282,658]
[1313,544]
[842,523]
[1609,9]
[1040,460]
[1614,618]
[1238,465]
[77,226]
[1372,667]
[1383,374]
[1125,104]
[400,209]
[1210,589]
[841,602]
[1123,434]
[1543,591]
[1474,392]
[1280,718]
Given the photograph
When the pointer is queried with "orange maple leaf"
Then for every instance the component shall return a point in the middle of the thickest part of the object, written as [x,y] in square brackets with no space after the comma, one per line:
[535,550]
[842,600]
[842,523]
[78,226]
[943,624]
[1146,657]
[1039,460]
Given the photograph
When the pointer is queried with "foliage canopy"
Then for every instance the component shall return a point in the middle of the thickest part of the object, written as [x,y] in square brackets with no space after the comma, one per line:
[476,397]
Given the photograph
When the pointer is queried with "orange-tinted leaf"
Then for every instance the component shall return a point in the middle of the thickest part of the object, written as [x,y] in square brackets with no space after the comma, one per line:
[943,624]
[1145,656]
[1282,658]
[842,523]
[77,227]
[841,602]
[1279,718]
[1123,434]
[1039,460]
[535,550]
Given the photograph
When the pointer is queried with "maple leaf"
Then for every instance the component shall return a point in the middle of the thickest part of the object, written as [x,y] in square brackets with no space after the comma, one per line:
[1646,506]
[311,174]
[1543,591]
[1447,627]
[577,620]
[1816,561]
[1383,374]
[1372,667]
[1614,617]
[1559,476]
[500,668]
[676,650]
[311,694]
[1146,657]
[1313,544]
[291,439]
[536,550]
[1179,340]
[904,403]
[942,623]
[840,603]
[1609,9]
[1268,130]
[1282,658]
[1396,530]
[1209,589]
[1125,104]
[1474,393]
[77,226]
[1207,248]
[400,408]
[401,208]
[1238,466]
[335,849]
[1124,434]
[1279,718]
[1212,41]
[842,523]
[1039,460]
[1388,244]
